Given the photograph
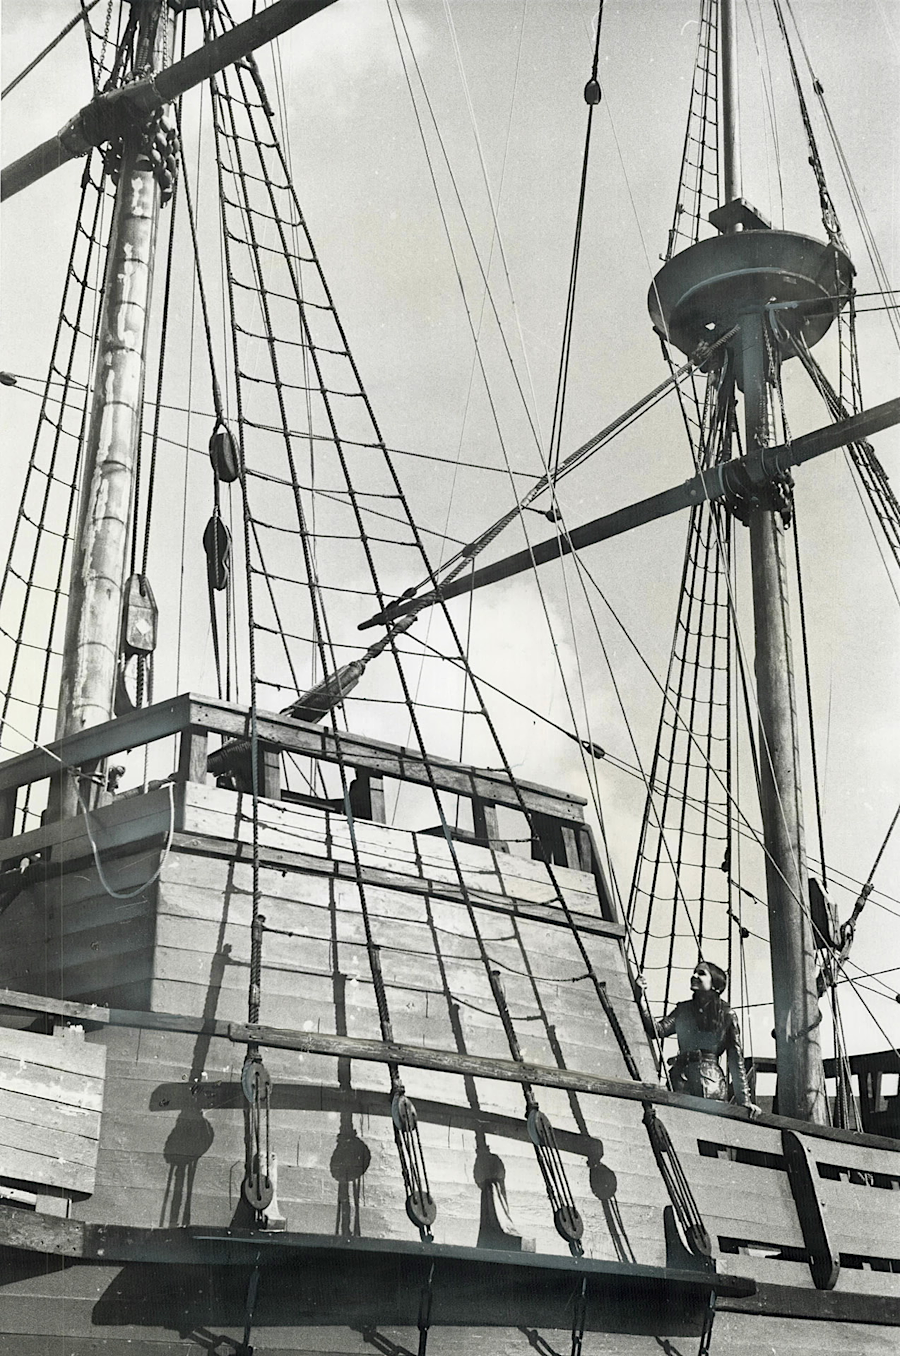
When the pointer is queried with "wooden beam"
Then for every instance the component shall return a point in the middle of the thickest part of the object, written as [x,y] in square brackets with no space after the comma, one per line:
[828,1306]
[301,737]
[416,1057]
[379,1281]
[824,1259]
[713,485]
[107,116]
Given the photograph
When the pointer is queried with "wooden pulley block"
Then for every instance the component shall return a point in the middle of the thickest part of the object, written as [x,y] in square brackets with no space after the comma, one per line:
[421,1209]
[258,1188]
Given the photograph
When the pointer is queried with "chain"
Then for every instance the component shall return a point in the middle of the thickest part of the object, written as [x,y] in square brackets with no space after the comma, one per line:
[579,1319]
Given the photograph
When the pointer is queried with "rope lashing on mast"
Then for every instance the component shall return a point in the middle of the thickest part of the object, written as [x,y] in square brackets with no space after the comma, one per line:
[592,96]
[166,172]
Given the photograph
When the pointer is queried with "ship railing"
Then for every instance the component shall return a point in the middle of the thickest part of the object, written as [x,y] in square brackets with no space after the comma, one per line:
[558,832]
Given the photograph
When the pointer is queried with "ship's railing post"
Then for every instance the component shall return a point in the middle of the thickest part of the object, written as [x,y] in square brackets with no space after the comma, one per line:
[193,751]
[484,823]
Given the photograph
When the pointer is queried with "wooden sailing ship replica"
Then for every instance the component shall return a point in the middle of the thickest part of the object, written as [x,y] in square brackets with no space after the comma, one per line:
[280,1070]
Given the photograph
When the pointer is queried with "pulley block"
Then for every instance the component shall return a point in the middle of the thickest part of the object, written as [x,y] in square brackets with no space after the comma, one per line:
[540,1130]
[403,1114]
[139,617]
[217,545]
[256,1080]
[223,453]
[257,1187]
[421,1209]
[568,1222]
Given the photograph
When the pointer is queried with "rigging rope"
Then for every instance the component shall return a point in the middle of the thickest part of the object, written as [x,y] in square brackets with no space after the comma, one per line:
[73,22]
[38,555]
[592,97]
[871,243]
[829,215]
[698,179]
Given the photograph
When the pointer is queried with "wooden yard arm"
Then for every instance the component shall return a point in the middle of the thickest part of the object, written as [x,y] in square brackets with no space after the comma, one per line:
[107,117]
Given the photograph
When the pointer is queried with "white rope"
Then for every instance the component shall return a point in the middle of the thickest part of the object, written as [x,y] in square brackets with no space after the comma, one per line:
[73,771]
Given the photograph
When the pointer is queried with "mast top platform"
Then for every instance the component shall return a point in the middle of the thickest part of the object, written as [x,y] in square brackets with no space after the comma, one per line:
[704,291]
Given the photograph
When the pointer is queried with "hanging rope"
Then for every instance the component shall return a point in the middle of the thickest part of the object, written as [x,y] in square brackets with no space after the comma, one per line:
[592,96]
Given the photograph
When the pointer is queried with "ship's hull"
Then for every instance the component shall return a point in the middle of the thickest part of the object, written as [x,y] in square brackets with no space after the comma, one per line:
[127,1145]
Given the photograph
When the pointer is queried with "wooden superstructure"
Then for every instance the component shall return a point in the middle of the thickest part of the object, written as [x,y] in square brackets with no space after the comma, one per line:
[135,928]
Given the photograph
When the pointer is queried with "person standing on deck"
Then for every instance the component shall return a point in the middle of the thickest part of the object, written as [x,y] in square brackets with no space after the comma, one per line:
[706,1027]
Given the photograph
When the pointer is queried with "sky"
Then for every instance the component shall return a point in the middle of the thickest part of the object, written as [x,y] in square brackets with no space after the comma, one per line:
[505,81]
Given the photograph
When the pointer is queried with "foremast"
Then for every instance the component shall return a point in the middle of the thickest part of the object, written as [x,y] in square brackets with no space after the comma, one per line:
[100,549]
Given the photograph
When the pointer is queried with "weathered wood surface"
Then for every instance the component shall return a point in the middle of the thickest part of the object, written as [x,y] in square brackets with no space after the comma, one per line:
[51,1093]
[128,820]
[317,833]
[189,712]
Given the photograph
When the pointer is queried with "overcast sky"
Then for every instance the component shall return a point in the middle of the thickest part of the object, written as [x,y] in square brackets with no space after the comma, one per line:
[368,198]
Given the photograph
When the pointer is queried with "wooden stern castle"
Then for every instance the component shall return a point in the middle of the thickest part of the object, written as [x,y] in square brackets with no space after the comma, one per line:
[124,952]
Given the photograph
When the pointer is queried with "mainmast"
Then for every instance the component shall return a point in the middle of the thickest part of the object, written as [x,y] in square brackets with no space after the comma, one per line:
[100,552]
[801,1078]
[726,286]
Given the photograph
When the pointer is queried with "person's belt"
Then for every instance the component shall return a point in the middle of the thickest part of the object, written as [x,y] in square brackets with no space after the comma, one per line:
[695,1056]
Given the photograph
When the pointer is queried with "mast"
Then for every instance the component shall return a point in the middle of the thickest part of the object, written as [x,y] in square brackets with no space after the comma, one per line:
[100,551]
[801,1079]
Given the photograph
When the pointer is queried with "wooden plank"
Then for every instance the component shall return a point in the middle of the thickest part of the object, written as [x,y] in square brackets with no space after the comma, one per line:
[7,813]
[387,759]
[133,730]
[484,822]
[52,1084]
[33,1167]
[193,751]
[270,857]
[780,1302]
[862,1219]
[856,1155]
[127,820]
[68,1053]
[46,1143]
[41,1112]
[716,1113]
